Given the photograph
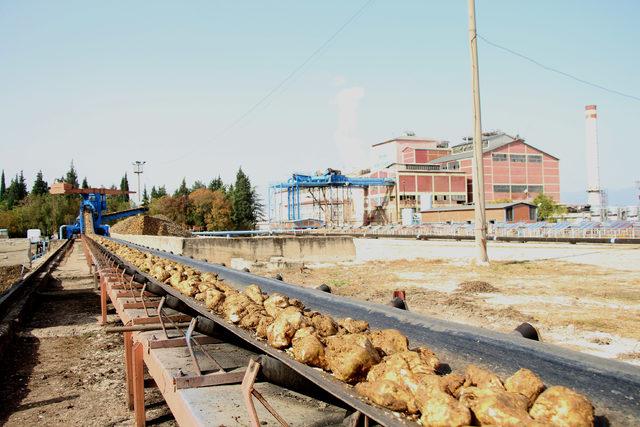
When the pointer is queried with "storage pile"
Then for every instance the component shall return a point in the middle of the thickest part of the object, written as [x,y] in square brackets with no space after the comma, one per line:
[149,226]
[380,364]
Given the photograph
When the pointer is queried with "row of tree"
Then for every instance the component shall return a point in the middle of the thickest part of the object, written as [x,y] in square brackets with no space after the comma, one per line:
[211,207]
[215,206]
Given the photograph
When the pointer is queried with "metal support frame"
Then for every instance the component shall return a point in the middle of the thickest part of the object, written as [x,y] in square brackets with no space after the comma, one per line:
[333,181]
[249,392]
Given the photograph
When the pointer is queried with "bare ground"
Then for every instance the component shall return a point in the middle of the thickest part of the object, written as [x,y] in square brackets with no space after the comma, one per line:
[63,369]
[583,307]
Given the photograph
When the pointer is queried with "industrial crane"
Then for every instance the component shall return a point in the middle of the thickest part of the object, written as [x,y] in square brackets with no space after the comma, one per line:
[94,200]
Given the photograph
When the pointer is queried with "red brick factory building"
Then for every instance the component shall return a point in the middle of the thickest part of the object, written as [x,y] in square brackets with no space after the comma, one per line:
[431,174]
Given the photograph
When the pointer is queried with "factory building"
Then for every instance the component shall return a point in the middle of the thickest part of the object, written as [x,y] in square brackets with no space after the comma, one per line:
[412,175]
[431,174]
[495,212]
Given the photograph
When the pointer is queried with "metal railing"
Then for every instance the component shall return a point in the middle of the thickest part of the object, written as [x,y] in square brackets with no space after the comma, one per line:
[539,230]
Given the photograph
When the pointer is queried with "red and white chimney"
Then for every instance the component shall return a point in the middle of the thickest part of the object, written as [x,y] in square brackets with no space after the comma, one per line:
[594,193]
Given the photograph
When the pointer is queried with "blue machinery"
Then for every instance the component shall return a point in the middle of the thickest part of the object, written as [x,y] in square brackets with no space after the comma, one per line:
[94,201]
[332,179]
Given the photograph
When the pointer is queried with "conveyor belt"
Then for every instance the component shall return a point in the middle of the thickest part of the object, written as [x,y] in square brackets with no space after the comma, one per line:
[340,390]
[613,387]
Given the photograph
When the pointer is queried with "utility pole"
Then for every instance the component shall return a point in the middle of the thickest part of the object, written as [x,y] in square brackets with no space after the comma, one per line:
[138,171]
[478,166]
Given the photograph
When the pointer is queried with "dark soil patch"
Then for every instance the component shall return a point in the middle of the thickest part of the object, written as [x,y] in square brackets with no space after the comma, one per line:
[476,287]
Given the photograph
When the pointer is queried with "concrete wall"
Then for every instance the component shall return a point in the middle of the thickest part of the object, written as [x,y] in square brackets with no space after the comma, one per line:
[461,215]
[15,251]
[221,249]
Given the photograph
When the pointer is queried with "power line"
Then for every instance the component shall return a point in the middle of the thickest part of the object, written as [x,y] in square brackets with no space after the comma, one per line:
[300,67]
[292,74]
[555,70]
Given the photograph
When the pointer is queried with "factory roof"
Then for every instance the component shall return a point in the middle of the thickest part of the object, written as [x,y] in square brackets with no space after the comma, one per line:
[487,206]
[465,150]
[491,142]
[444,143]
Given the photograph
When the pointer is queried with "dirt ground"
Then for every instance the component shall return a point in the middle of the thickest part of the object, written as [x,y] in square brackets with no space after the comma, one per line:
[583,307]
[63,369]
[9,275]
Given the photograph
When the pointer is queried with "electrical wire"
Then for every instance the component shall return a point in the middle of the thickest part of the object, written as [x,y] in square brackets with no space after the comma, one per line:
[555,70]
[290,76]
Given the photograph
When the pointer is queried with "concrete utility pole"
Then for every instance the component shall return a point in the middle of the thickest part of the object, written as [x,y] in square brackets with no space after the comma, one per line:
[138,171]
[478,165]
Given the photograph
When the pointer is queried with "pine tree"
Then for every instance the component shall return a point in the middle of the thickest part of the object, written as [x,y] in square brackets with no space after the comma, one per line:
[197,185]
[216,184]
[154,193]
[124,186]
[85,184]
[246,208]
[22,187]
[3,187]
[145,197]
[183,190]
[72,176]
[17,191]
[162,191]
[40,186]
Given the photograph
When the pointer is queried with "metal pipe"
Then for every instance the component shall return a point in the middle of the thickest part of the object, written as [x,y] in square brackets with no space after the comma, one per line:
[132,328]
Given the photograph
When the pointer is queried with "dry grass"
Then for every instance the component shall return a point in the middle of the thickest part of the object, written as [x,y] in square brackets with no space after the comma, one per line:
[551,294]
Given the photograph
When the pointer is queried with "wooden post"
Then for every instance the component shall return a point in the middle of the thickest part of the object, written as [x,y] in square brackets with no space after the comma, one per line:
[128,365]
[103,300]
[138,384]
[478,165]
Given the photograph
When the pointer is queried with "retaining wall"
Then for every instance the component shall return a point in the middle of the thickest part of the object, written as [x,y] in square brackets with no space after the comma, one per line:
[222,249]
[15,251]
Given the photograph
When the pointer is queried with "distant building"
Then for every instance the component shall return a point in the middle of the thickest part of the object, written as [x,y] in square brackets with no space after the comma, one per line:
[497,212]
[513,169]
[429,173]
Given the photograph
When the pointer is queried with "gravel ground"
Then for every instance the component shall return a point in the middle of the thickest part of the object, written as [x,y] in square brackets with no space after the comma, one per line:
[582,297]
[620,257]
[62,369]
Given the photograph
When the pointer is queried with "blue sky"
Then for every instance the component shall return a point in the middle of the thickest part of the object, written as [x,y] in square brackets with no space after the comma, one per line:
[107,83]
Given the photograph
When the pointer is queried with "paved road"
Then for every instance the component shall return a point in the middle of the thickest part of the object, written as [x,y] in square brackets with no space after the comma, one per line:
[621,257]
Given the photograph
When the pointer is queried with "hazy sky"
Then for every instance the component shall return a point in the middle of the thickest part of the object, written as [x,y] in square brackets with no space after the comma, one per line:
[107,83]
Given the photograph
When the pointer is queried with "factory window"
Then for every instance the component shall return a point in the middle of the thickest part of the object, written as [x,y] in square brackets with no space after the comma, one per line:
[500,188]
[405,197]
[534,158]
[533,213]
[459,197]
[518,158]
[498,157]
[423,167]
[454,166]
[535,189]
[509,214]
[518,188]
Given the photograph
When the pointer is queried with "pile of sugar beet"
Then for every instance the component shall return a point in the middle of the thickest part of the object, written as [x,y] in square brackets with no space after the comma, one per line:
[380,365]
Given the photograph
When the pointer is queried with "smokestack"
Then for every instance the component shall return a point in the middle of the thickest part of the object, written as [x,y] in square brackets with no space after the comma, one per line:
[594,193]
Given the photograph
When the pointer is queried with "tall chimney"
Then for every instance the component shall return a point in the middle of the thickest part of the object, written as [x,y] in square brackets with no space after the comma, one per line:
[594,193]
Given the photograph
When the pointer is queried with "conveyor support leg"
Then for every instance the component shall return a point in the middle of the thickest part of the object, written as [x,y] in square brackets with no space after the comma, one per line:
[103,300]
[138,384]
[128,362]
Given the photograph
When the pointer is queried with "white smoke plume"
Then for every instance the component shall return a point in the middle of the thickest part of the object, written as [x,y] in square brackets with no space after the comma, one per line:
[350,147]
